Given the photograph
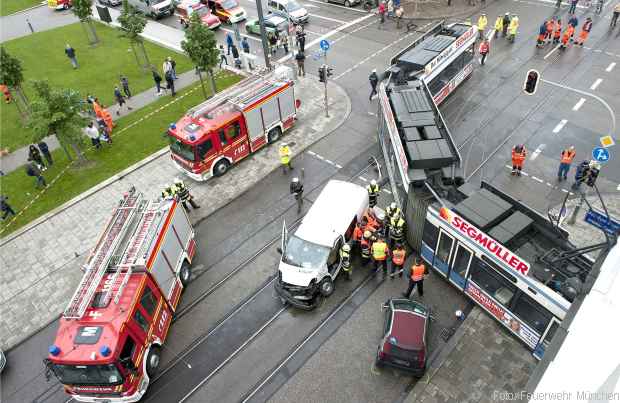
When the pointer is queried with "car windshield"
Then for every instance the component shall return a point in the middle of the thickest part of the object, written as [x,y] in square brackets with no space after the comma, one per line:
[228,4]
[305,254]
[292,6]
[157,1]
[181,149]
[106,374]
[202,11]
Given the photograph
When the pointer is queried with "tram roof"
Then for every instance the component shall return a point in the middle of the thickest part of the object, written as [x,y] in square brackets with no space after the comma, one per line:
[523,231]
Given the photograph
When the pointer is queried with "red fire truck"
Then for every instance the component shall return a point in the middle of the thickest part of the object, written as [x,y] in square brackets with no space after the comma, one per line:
[232,125]
[107,347]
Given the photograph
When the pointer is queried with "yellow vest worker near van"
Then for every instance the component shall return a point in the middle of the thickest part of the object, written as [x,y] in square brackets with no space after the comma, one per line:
[285,156]
[482,24]
[380,252]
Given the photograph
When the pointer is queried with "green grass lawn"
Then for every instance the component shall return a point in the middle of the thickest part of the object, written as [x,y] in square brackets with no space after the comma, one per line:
[130,146]
[43,57]
[12,6]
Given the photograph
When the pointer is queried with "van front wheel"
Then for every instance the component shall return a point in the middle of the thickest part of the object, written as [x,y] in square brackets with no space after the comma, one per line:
[326,288]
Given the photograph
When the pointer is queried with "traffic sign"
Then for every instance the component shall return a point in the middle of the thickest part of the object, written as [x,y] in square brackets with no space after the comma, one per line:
[600,221]
[607,141]
[324,44]
[600,154]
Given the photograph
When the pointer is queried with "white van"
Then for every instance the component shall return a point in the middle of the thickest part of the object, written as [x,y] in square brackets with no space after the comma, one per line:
[153,8]
[289,9]
[311,256]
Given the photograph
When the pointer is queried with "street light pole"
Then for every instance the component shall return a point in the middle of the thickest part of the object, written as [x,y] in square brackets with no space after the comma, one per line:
[263,33]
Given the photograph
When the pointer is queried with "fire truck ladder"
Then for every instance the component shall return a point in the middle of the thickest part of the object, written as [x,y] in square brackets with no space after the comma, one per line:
[101,256]
[226,95]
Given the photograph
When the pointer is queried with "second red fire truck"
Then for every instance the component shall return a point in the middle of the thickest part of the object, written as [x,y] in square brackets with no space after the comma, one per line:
[234,124]
[108,344]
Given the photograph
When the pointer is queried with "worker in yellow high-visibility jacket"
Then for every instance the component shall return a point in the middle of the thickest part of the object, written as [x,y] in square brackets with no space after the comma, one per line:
[285,157]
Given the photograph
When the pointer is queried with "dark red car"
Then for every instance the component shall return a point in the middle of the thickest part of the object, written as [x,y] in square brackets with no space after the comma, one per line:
[404,336]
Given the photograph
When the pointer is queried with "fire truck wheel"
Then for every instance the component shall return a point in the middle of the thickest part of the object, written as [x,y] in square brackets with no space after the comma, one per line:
[274,135]
[185,273]
[326,287]
[221,167]
[152,361]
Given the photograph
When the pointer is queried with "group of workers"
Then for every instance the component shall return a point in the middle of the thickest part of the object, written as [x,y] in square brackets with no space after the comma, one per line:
[550,31]
[506,24]
[179,191]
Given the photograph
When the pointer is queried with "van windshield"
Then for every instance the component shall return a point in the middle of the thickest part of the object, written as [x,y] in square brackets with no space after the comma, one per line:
[292,5]
[157,1]
[305,254]
[106,374]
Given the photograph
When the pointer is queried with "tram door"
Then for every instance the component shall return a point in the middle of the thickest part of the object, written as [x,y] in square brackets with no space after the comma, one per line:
[546,338]
[461,261]
[443,253]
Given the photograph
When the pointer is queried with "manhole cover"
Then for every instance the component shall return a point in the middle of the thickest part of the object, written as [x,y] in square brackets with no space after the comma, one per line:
[446,334]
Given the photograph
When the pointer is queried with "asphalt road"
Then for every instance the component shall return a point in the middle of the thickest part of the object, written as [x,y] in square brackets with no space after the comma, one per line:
[230,299]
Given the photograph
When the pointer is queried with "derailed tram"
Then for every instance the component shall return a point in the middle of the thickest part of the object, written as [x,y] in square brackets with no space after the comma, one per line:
[502,254]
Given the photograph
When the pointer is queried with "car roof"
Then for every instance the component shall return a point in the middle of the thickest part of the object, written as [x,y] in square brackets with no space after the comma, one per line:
[408,329]
[332,212]
[275,19]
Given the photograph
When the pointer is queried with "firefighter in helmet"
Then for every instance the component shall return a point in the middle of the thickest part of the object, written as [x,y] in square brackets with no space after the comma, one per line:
[184,196]
[345,258]
[168,192]
[397,226]
[365,244]
[373,193]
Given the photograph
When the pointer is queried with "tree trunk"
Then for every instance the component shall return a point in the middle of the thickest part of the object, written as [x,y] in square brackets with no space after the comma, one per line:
[213,86]
[67,153]
[78,152]
[133,49]
[147,63]
[202,84]
[92,38]
[21,103]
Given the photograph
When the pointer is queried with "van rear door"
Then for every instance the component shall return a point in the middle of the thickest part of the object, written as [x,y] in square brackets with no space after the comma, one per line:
[284,239]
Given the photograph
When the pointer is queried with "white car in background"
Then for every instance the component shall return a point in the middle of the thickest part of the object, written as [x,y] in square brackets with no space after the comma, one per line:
[289,9]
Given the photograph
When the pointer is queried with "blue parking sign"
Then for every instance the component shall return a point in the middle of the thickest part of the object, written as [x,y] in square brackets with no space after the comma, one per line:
[600,154]
[324,44]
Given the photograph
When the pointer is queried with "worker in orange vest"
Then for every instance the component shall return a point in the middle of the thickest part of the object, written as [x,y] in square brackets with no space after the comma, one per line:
[518,156]
[380,252]
[585,31]
[358,233]
[550,25]
[557,33]
[568,33]
[398,260]
[418,272]
[566,158]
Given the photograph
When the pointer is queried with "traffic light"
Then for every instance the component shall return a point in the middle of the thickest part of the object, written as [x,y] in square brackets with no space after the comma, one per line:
[329,71]
[322,77]
[592,175]
[531,82]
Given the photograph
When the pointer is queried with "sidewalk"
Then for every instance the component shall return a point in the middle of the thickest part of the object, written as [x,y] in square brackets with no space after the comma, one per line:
[40,264]
[17,158]
[481,363]
[434,10]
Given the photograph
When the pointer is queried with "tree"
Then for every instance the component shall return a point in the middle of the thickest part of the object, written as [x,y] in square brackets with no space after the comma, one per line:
[57,111]
[12,76]
[132,24]
[83,9]
[201,46]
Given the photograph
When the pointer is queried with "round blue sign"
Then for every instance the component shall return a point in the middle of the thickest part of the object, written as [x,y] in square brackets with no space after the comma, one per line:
[324,44]
[601,154]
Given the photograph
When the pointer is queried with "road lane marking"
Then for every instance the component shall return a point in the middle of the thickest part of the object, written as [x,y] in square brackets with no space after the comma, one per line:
[362,178]
[537,179]
[338,5]
[327,18]
[596,84]
[579,104]
[242,35]
[610,67]
[537,152]
[387,191]
[618,188]
[560,125]
[551,52]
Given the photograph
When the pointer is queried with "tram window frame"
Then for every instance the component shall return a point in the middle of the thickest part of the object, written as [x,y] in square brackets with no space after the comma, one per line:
[430,233]
[533,306]
[480,273]
[499,269]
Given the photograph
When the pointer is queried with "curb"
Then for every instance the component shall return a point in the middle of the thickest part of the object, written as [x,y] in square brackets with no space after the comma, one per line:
[468,12]
[43,3]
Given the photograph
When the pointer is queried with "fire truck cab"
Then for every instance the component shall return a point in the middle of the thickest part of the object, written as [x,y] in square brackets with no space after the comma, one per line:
[234,124]
[107,347]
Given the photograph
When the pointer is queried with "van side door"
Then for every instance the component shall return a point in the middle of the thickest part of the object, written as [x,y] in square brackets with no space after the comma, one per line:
[284,239]
[334,261]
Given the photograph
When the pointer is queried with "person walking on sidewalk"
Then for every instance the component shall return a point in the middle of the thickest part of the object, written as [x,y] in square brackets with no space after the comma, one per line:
[223,58]
[245,45]
[5,207]
[505,24]
[35,156]
[170,82]
[301,38]
[482,25]
[235,56]
[120,100]
[173,67]
[93,133]
[416,278]
[381,11]
[166,67]
[614,18]
[374,80]
[70,52]
[285,157]
[229,43]
[46,152]
[125,85]
[157,78]
[398,260]
[32,170]
[566,159]
[484,50]
[585,31]
[301,60]
[518,156]
[499,25]
[297,190]
[573,6]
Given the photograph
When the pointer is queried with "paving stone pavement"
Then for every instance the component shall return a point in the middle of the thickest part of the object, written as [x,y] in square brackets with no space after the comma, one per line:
[485,362]
[40,265]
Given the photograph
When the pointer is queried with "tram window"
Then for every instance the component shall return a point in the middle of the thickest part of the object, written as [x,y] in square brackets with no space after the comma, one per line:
[492,282]
[531,313]
[429,234]
[443,250]
[489,262]
[461,261]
